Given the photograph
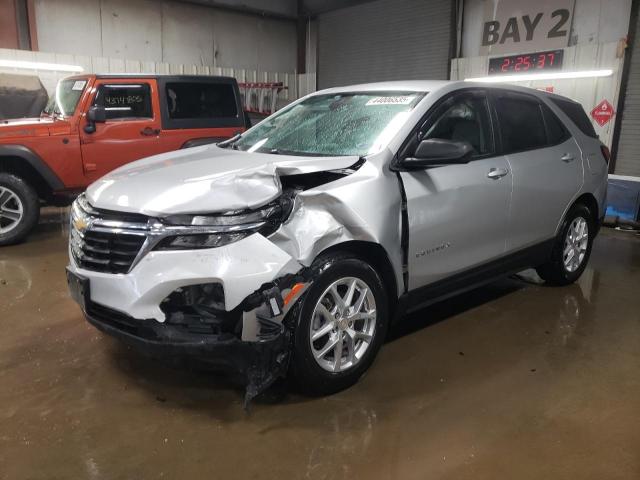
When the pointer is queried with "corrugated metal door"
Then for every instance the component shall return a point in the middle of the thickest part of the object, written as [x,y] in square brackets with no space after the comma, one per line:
[384,40]
[628,157]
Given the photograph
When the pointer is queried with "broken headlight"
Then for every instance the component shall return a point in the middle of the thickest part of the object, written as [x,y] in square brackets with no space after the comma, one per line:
[210,231]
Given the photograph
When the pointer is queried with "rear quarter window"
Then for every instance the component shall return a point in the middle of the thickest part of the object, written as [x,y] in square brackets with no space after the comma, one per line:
[200,100]
[577,115]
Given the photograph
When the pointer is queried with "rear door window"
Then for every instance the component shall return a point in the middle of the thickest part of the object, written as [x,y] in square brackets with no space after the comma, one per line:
[577,115]
[125,101]
[521,123]
[201,100]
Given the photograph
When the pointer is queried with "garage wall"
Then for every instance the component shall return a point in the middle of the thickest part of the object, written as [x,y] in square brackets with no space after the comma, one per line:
[384,40]
[594,21]
[166,31]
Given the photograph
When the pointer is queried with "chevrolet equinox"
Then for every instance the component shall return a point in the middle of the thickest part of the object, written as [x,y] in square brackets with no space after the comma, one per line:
[291,248]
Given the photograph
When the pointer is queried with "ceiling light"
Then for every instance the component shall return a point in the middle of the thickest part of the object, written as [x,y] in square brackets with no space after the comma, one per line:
[527,77]
[58,67]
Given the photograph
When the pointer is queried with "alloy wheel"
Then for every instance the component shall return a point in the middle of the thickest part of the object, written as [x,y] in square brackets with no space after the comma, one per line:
[343,324]
[11,210]
[575,244]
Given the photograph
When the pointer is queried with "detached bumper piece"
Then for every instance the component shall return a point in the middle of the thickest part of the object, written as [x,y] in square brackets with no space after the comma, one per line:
[199,336]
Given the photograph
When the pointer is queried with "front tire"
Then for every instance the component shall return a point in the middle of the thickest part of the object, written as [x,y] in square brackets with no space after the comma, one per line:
[19,209]
[572,248]
[339,326]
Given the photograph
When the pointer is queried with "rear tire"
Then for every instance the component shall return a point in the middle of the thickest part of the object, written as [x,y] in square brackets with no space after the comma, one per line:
[357,325]
[572,248]
[19,209]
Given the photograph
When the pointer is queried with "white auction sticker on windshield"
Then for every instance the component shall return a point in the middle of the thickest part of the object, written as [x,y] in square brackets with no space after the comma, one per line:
[395,100]
[79,85]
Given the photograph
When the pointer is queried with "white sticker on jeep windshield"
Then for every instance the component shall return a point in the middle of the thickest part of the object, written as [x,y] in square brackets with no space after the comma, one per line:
[79,85]
[397,100]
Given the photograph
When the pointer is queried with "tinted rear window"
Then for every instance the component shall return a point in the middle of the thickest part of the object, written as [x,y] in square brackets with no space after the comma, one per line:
[521,123]
[576,114]
[555,129]
[201,100]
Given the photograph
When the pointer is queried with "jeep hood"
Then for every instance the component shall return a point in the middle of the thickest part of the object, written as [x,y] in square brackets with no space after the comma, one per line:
[25,127]
[202,180]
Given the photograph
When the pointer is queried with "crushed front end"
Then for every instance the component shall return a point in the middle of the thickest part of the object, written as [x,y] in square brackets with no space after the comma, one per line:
[214,288]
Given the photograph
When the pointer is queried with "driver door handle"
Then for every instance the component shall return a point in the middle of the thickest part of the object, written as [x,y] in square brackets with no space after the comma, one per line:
[496,173]
[149,132]
[566,158]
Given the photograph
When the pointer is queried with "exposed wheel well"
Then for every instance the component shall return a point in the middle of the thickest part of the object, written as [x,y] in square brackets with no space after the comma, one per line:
[377,257]
[21,168]
[589,201]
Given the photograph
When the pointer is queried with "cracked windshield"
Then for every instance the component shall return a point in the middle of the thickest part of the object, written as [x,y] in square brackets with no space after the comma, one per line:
[333,125]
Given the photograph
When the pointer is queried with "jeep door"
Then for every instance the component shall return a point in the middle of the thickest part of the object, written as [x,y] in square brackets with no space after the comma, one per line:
[546,165]
[132,129]
[457,213]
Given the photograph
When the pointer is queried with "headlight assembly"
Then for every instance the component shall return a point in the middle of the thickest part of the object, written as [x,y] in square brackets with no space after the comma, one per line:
[210,231]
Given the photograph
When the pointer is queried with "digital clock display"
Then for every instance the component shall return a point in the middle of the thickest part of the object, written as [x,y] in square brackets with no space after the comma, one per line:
[528,62]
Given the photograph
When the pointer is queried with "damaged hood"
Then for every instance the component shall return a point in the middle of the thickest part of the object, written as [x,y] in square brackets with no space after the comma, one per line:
[203,179]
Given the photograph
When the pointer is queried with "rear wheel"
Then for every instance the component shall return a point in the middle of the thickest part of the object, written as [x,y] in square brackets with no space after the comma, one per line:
[572,248]
[19,209]
[340,325]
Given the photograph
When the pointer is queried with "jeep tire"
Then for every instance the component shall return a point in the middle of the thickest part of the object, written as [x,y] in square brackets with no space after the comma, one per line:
[19,209]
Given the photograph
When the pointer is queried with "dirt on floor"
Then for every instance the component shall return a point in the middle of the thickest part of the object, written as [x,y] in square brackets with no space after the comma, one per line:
[514,380]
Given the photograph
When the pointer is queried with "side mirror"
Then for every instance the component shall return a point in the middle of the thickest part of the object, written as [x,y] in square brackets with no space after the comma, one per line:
[95,115]
[435,152]
[247,120]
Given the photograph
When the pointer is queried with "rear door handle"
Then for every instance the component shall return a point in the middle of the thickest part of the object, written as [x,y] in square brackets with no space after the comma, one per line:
[149,132]
[496,173]
[567,157]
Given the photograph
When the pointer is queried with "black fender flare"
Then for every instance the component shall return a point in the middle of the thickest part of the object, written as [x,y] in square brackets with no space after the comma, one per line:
[35,161]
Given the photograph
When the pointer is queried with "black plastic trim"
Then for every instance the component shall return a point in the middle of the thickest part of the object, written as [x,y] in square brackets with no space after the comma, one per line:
[480,275]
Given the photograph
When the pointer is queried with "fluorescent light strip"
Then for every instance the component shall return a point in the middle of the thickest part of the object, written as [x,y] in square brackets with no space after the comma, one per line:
[527,77]
[57,67]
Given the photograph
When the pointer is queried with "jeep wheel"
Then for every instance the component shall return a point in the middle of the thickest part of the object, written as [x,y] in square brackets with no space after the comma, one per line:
[19,209]
[572,248]
[340,325]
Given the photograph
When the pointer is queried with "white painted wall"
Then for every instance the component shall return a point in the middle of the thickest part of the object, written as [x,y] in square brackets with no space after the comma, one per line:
[594,21]
[167,31]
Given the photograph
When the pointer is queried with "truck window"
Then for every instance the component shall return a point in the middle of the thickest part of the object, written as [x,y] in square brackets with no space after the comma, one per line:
[125,101]
[201,100]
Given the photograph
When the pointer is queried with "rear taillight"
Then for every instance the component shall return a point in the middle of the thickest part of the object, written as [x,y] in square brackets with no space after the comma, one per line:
[605,153]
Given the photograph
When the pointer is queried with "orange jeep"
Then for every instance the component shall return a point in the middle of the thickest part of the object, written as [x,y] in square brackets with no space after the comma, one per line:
[96,123]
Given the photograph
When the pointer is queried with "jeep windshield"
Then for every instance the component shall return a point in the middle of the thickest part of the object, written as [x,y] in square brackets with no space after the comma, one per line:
[339,124]
[66,98]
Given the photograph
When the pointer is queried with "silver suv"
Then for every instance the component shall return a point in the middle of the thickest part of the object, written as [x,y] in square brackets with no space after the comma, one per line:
[291,249]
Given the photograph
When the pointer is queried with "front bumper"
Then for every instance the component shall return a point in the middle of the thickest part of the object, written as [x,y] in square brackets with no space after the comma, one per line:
[258,363]
[241,268]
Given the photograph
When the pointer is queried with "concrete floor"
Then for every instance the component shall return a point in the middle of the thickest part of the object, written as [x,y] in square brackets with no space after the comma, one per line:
[511,381]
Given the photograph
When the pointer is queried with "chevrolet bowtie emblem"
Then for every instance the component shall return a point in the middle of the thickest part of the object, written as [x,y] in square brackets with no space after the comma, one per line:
[80,224]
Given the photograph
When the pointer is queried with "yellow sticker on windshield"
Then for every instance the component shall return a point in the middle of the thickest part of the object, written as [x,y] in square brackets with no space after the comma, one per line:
[395,100]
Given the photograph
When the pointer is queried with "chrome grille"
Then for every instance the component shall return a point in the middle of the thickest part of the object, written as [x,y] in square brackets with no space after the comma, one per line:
[108,252]
[106,242]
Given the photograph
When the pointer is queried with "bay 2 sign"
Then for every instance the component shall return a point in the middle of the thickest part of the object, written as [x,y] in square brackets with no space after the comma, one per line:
[516,26]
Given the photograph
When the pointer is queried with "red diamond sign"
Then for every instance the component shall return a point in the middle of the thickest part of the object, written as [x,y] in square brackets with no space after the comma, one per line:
[602,113]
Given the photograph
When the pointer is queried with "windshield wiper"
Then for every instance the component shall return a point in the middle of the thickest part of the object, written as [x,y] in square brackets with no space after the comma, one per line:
[230,142]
